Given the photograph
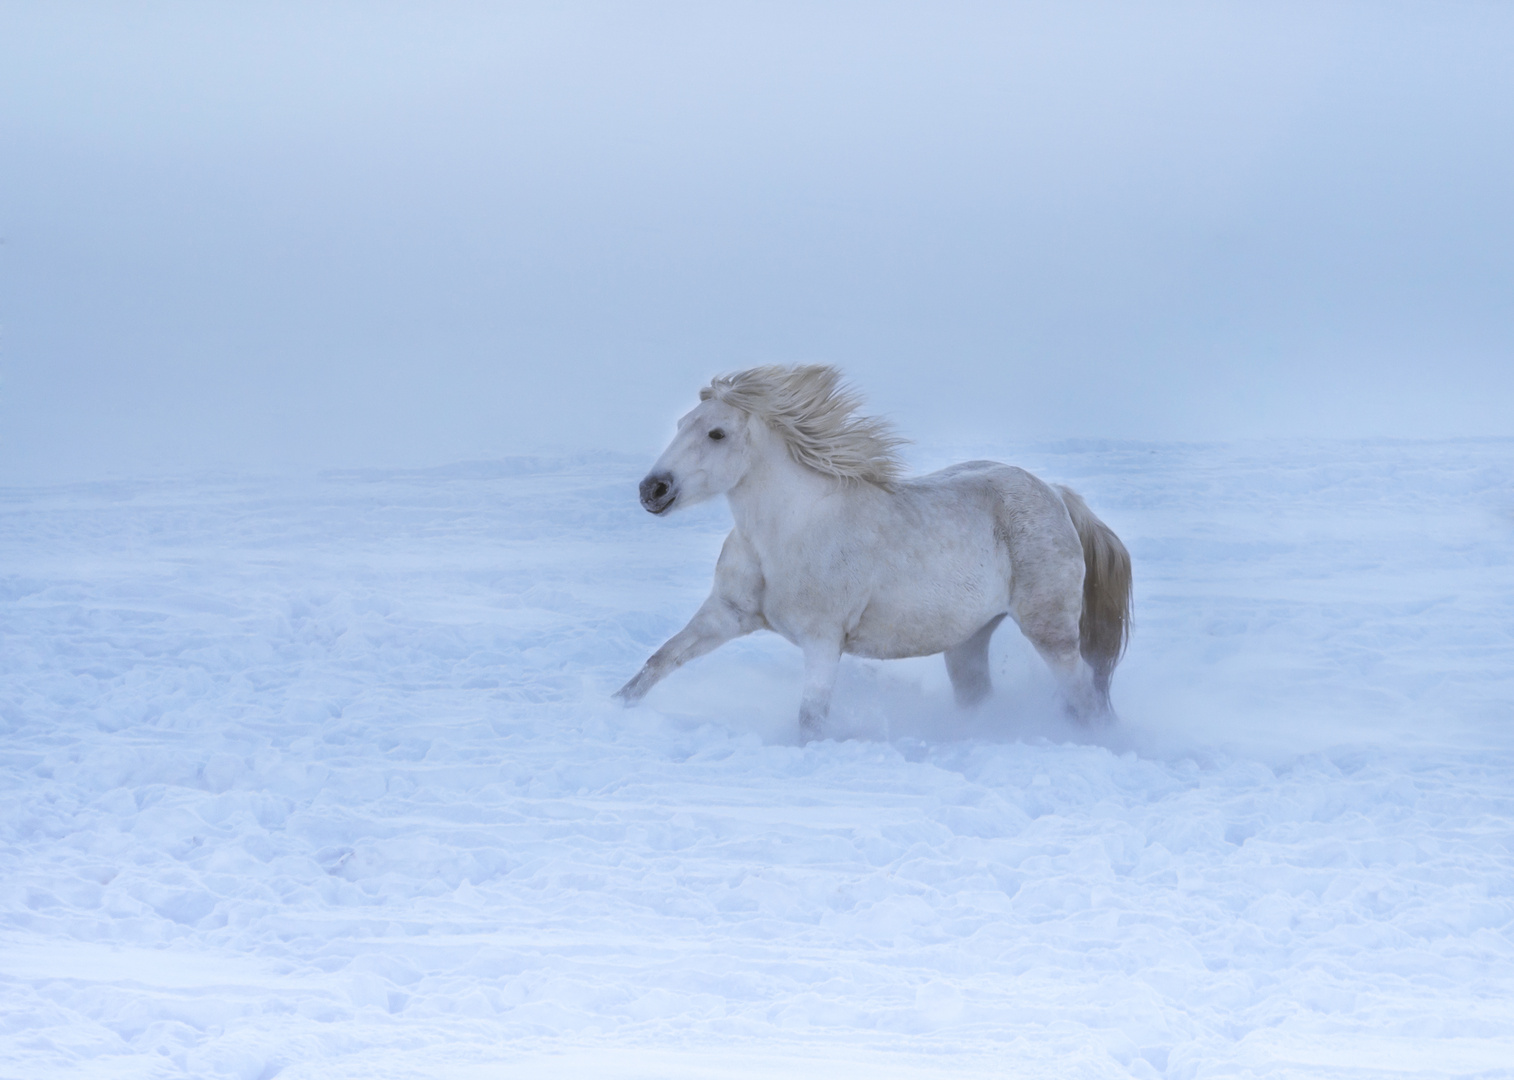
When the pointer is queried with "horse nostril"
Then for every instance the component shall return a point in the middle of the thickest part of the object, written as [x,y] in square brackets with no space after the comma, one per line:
[657,492]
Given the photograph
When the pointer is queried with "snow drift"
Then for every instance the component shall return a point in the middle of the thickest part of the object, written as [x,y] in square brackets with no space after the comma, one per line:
[319,779]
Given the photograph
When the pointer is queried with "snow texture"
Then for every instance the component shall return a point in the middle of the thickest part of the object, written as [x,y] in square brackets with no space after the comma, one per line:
[320,778]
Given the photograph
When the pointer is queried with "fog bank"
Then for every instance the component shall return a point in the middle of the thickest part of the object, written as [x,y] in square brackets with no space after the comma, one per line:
[281,237]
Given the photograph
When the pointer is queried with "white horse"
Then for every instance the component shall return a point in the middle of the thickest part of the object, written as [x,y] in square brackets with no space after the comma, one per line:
[835,552]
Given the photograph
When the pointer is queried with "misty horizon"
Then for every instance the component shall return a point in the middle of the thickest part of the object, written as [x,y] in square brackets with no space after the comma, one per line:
[289,238]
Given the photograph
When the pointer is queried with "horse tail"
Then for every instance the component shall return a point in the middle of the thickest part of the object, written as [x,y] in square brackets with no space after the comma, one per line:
[1104,627]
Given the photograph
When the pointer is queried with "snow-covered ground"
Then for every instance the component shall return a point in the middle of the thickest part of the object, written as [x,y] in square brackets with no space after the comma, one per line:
[320,778]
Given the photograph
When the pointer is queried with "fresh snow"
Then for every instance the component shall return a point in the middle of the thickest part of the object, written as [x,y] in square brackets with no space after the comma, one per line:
[320,778]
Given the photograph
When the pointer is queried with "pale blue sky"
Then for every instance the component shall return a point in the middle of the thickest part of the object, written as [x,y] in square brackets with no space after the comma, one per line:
[271,236]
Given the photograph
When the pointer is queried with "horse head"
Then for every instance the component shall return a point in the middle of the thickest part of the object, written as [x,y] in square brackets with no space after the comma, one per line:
[709,456]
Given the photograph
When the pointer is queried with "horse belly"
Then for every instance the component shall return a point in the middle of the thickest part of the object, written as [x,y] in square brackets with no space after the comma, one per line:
[928,618]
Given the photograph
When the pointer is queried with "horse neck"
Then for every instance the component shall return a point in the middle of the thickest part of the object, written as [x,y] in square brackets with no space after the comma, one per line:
[777,496]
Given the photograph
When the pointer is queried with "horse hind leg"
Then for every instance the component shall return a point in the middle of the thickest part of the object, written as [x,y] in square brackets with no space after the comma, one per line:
[967,664]
[1085,705]
[1056,640]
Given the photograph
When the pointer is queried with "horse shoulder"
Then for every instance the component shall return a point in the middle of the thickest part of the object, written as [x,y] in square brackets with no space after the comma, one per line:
[739,581]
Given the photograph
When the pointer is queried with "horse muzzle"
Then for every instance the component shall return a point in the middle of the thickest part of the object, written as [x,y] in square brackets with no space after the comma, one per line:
[658,493]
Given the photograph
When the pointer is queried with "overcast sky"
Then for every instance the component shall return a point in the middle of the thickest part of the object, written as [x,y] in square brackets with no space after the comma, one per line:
[324,234]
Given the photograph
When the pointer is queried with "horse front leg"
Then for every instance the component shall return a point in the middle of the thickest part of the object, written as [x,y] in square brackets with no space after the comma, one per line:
[821,660]
[715,623]
[733,608]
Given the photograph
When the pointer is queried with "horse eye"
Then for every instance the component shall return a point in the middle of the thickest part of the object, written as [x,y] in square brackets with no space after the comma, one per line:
[717,434]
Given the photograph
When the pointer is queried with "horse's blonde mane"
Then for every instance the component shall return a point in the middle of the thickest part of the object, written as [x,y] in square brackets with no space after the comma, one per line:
[816,413]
